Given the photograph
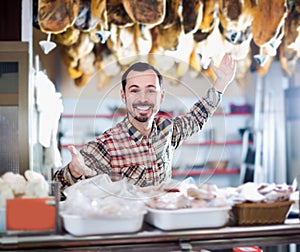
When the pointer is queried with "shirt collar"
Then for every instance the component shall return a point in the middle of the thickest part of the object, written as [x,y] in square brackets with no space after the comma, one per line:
[134,133]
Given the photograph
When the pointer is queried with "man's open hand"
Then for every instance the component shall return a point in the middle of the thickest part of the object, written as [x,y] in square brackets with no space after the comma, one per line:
[77,166]
[225,73]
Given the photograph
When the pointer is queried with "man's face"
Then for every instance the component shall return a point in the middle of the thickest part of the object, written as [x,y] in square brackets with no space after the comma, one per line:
[143,95]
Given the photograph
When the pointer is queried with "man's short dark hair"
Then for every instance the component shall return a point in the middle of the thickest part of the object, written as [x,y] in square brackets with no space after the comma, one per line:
[140,67]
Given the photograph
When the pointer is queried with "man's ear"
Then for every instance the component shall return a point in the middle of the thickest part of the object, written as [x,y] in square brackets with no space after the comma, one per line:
[123,96]
[162,96]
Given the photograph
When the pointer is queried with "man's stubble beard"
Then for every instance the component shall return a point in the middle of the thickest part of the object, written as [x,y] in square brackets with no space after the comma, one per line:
[141,119]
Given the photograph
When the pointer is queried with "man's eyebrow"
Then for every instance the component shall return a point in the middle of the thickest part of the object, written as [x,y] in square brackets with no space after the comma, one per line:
[133,86]
[151,86]
[137,86]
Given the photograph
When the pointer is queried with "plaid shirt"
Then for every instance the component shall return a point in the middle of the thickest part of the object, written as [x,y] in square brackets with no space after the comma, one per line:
[123,152]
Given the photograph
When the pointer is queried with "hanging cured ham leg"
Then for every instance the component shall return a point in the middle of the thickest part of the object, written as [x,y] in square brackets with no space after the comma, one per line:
[236,18]
[201,54]
[116,13]
[146,12]
[57,15]
[169,31]
[268,18]
[208,21]
[268,37]
[290,47]
[192,11]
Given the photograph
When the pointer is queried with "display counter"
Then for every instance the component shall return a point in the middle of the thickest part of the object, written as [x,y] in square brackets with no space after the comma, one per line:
[152,239]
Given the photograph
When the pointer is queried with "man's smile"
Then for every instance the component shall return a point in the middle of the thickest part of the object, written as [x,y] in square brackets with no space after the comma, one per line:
[143,108]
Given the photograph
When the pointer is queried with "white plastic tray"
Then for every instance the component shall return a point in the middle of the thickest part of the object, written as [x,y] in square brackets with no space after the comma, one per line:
[188,218]
[78,226]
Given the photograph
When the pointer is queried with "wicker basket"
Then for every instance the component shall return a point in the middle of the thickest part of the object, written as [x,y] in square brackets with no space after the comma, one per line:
[261,213]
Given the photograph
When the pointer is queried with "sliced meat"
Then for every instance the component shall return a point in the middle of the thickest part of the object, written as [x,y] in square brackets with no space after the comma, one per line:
[55,16]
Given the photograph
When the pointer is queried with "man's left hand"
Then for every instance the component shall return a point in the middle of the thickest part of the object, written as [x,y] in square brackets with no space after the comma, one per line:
[225,73]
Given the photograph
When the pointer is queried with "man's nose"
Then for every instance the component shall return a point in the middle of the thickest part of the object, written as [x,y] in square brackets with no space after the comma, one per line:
[143,96]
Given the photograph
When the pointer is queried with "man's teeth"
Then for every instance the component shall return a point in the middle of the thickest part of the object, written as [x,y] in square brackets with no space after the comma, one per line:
[143,107]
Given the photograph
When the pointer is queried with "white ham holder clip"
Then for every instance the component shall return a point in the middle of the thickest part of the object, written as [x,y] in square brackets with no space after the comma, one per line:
[275,42]
[47,45]
[261,58]
[205,61]
[270,48]
[102,35]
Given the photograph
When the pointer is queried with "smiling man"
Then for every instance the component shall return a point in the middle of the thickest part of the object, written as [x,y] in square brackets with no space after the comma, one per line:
[140,148]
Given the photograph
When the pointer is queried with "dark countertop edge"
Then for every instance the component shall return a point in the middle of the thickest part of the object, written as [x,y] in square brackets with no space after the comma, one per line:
[227,236]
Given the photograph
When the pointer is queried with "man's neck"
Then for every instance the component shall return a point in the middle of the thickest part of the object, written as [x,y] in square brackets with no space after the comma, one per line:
[143,127]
